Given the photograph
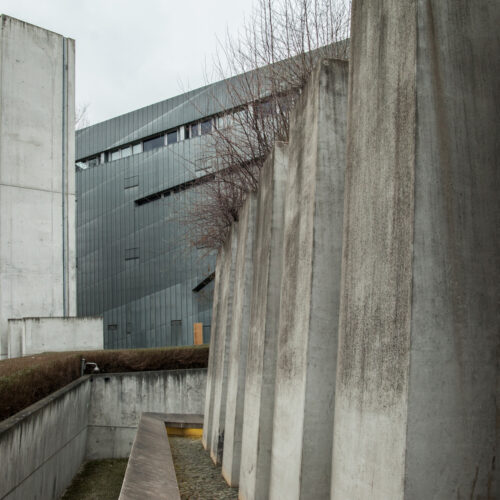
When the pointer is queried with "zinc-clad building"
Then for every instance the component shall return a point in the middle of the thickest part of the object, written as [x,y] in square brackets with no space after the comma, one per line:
[135,265]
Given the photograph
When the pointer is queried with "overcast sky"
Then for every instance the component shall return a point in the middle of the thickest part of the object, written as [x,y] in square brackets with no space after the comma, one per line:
[129,53]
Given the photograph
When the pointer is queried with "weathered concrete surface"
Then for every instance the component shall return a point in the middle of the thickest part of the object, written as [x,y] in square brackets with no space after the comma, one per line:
[264,319]
[43,446]
[37,195]
[117,401]
[221,353]
[150,470]
[206,439]
[417,394]
[239,342]
[310,288]
[35,335]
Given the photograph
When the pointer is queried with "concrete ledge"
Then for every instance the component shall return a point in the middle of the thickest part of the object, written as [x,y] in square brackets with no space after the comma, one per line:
[150,470]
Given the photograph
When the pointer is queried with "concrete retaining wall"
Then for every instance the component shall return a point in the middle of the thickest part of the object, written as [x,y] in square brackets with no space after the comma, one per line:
[42,447]
[35,335]
[117,401]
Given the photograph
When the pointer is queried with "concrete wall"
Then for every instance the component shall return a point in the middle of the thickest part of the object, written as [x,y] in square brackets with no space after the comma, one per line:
[238,347]
[221,353]
[35,335]
[417,384]
[264,320]
[310,288]
[214,345]
[37,196]
[117,401]
[42,447]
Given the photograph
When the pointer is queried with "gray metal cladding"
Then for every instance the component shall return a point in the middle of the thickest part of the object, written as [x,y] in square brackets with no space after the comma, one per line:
[135,264]
[152,119]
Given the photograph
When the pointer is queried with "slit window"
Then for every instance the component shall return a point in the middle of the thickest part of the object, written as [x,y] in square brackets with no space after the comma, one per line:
[206,127]
[137,148]
[195,132]
[131,253]
[116,155]
[126,151]
[156,142]
[172,137]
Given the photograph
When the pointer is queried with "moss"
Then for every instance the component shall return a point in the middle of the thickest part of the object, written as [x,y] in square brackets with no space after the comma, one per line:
[97,480]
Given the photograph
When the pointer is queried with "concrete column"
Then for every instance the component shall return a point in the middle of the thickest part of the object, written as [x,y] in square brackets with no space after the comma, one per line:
[37,164]
[239,342]
[224,318]
[264,319]
[417,382]
[214,346]
[310,289]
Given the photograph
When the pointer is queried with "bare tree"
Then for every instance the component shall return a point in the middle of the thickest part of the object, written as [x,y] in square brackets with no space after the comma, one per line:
[272,57]
[81,115]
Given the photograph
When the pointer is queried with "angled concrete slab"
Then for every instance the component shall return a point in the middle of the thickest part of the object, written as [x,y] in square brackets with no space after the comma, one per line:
[417,385]
[261,359]
[221,353]
[214,347]
[239,342]
[310,288]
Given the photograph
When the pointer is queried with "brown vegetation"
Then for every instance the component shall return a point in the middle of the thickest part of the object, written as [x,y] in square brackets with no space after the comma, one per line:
[24,381]
[273,57]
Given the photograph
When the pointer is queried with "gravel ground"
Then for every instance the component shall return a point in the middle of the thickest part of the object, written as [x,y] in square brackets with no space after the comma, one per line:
[197,476]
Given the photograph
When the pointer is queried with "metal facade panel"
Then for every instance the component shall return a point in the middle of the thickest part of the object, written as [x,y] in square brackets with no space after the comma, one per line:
[140,297]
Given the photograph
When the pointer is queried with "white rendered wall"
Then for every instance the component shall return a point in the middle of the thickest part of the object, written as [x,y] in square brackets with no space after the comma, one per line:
[36,335]
[37,247]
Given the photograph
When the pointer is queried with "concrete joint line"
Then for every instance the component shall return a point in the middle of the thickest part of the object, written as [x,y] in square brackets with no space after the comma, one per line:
[44,462]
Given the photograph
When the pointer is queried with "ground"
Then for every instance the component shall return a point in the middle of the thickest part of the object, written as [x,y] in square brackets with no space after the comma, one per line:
[198,478]
[98,480]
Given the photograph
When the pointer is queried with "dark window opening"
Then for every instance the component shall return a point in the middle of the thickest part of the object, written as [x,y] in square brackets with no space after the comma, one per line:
[206,334]
[112,327]
[204,283]
[156,142]
[264,108]
[195,130]
[131,182]
[176,330]
[172,137]
[131,253]
[174,189]
[206,127]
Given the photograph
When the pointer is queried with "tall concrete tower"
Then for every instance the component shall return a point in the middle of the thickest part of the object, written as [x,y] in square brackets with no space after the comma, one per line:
[37,195]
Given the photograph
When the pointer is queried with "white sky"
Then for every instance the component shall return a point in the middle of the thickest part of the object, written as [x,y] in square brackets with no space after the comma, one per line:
[129,53]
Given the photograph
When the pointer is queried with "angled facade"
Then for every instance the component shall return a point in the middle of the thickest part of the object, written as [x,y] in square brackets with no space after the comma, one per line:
[134,182]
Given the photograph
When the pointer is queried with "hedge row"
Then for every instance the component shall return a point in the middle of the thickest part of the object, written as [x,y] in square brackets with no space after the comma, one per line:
[24,381]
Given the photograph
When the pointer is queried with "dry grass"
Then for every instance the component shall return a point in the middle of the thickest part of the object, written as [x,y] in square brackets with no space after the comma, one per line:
[98,480]
[24,381]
